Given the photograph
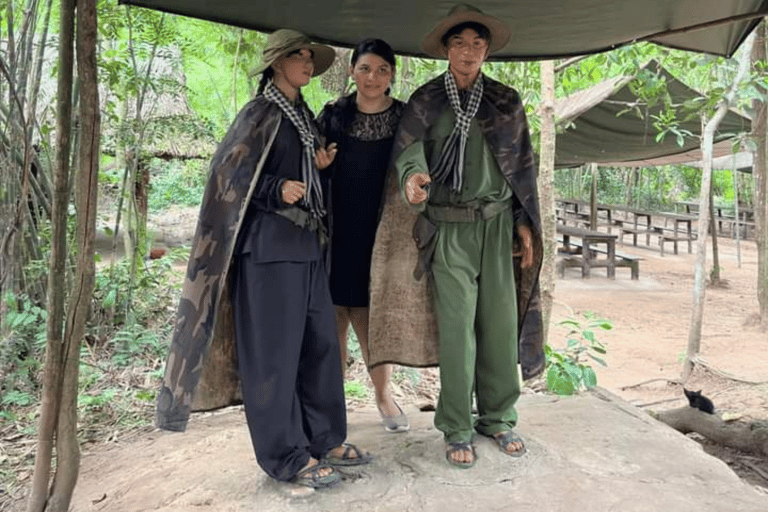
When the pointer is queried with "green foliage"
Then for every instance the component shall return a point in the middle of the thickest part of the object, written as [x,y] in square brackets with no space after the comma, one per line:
[177,182]
[153,293]
[25,318]
[135,341]
[355,389]
[567,370]
[17,398]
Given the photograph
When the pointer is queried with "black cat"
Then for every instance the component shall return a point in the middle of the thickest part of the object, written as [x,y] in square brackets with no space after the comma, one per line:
[699,401]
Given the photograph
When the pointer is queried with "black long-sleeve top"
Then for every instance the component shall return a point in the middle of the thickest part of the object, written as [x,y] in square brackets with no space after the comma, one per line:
[267,236]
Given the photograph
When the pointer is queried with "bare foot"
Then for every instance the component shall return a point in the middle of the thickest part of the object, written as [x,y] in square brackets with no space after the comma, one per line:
[461,454]
[320,472]
[346,454]
[511,448]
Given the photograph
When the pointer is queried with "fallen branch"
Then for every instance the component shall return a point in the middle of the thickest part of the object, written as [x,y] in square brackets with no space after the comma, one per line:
[755,468]
[702,363]
[668,381]
[741,436]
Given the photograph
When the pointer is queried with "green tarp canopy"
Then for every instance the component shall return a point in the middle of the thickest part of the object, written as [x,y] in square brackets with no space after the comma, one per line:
[596,133]
[540,28]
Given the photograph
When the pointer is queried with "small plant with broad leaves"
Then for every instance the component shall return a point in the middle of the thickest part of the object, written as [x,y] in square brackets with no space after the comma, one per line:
[568,371]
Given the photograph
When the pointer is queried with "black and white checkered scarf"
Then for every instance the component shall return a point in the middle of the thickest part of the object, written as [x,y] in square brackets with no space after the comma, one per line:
[313,197]
[450,166]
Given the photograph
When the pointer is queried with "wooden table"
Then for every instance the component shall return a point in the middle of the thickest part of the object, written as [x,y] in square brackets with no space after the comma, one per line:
[589,240]
[579,211]
[678,235]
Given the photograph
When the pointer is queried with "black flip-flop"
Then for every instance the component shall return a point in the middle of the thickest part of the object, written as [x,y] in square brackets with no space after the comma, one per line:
[460,446]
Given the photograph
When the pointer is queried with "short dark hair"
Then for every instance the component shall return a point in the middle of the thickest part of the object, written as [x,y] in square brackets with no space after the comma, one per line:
[482,31]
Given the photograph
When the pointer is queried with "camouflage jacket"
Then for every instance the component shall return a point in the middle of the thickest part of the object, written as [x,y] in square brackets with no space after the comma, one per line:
[402,326]
[201,370]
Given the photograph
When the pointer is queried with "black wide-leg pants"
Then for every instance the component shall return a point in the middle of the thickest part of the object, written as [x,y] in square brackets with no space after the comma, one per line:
[289,362]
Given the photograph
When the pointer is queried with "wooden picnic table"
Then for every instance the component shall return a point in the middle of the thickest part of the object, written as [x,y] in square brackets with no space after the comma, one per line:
[579,211]
[677,234]
[725,215]
[589,240]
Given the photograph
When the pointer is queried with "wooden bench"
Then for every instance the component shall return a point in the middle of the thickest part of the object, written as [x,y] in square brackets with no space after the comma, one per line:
[627,228]
[574,259]
[674,236]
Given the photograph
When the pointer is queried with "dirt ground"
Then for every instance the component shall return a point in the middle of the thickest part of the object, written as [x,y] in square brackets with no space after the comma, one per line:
[651,320]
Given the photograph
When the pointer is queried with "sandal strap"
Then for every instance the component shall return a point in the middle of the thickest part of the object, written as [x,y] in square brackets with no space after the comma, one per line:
[348,448]
[313,472]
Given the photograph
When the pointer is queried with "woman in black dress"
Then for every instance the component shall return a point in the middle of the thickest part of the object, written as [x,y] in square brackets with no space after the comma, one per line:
[363,126]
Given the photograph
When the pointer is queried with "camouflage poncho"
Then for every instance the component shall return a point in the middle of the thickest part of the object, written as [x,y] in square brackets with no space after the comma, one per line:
[402,324]
[201,371]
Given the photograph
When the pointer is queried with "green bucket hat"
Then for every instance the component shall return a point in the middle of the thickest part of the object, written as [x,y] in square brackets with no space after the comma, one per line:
[284,41]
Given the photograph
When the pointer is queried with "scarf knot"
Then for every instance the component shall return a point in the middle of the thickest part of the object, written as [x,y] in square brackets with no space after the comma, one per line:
[450,166]
[313,197]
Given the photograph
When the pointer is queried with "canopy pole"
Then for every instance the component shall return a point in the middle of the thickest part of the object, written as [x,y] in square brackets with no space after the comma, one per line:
[593,198]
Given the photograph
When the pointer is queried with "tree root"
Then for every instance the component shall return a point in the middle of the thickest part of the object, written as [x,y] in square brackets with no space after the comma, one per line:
[703,364]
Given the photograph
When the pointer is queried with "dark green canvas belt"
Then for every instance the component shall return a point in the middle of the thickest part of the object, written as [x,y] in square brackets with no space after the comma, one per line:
[466,212]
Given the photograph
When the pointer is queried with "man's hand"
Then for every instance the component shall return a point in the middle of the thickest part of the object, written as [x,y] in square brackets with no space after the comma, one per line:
[414,191]
[526,244]
[291,191]
[324,156]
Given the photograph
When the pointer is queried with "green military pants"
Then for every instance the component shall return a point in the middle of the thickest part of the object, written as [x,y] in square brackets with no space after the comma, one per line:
[476,309]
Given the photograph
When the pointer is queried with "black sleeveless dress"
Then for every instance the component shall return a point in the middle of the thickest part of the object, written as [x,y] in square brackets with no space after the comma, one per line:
[357,188]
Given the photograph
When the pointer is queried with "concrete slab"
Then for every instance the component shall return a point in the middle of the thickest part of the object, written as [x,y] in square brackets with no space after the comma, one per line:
[591,452]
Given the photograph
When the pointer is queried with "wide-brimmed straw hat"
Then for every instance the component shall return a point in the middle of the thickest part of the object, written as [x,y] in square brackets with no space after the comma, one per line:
[284,41]
[500,32]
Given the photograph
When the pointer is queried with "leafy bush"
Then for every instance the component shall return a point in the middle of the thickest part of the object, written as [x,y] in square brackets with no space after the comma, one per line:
[177,183]
[567,369]
[355,389]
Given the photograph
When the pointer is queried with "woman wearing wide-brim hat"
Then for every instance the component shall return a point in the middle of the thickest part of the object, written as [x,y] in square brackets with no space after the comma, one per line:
[257,274]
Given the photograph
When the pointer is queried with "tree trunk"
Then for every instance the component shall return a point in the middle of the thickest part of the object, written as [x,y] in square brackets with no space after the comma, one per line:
[715,274]
[760,175]
[51,395]
[630,183]
[547,190]
[751,438]
[707,142]
[67,448]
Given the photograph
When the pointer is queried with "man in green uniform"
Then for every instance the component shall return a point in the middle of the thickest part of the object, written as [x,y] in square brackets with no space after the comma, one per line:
[469,172]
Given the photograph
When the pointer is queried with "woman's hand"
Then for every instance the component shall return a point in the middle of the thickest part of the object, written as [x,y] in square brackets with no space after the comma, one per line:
[324,156]
[291,191]
[526,243]
[414,191]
